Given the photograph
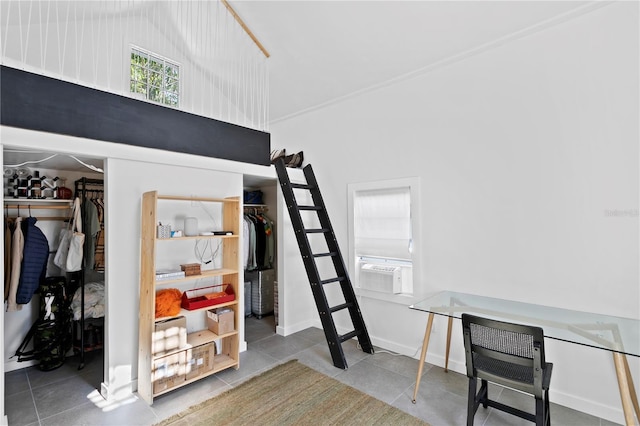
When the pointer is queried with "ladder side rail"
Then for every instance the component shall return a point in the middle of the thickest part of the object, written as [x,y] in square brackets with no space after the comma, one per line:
[328,325]
[338,262]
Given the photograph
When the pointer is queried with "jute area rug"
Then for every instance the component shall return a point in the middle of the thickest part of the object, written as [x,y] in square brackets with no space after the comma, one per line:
[292,394]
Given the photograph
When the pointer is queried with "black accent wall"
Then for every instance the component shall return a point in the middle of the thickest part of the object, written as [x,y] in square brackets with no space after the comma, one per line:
[36,102]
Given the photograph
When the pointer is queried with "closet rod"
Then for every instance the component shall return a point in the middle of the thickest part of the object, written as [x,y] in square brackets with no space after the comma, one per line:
[36,207]
[59,218]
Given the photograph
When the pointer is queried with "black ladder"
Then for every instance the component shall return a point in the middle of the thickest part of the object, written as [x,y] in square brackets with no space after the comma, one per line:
[309,258]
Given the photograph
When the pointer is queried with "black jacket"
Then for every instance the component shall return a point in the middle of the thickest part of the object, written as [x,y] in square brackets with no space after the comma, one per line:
[34,260]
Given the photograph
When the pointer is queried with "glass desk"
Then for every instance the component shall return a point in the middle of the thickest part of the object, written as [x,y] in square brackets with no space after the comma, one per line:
[620,336]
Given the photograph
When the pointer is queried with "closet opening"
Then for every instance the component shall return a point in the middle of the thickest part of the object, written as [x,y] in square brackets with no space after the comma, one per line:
[259,258]
[43,188]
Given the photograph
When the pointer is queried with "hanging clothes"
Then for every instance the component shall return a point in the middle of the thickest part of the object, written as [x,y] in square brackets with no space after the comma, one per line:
[34,261]
[17,245]
[251,246]
[92,225]
[99,263]
[245,242]
[260,252]
[8,235]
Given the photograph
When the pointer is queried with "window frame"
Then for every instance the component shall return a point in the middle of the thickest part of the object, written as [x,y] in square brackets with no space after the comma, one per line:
[419,289]
[164,62]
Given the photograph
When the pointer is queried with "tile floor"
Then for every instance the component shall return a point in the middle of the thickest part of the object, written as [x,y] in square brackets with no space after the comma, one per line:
[67,396]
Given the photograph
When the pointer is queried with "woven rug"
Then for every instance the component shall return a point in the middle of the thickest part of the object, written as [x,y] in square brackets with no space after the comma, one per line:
[292,394]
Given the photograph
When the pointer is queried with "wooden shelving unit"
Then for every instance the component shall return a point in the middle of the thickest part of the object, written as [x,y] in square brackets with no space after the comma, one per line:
[228,356]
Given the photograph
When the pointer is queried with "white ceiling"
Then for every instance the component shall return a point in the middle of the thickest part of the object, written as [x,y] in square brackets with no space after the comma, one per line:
[322,51]
[14,158]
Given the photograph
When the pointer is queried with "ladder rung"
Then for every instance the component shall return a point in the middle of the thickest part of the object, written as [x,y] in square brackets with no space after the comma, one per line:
[302,186]
[310,208]
[332,280]
[348,336]
[317,231]
[341,307]
[331,253]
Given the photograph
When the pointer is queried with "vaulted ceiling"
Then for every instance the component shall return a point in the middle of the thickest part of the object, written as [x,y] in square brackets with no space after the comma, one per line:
[324,50]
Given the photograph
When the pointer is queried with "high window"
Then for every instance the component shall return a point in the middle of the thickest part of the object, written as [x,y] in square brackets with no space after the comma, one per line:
[382,233]
[156,78]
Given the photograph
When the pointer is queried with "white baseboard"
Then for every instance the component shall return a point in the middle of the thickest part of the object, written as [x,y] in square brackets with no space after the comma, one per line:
[104,391]
[594,408]
[123,392]
[11,364]
[607,412]
[286,331]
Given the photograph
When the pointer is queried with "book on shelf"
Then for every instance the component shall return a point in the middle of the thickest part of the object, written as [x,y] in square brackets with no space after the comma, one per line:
[169,274]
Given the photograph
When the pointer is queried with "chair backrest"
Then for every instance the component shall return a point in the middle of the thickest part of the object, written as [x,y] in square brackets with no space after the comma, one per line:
[503,352]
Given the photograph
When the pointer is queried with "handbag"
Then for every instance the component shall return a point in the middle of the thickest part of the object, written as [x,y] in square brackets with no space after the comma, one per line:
[71,243]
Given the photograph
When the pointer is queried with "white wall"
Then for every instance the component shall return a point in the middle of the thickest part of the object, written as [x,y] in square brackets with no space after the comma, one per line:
[297,309]
[525,153]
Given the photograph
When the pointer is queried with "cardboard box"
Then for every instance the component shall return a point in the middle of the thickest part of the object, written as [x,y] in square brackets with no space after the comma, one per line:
[169,335]
[221,321]
[200,360]
[169,371]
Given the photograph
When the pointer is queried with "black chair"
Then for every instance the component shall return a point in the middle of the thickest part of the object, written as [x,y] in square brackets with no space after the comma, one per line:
[510,355]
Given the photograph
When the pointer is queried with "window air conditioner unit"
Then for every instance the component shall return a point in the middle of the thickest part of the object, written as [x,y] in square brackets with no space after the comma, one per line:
[382,278]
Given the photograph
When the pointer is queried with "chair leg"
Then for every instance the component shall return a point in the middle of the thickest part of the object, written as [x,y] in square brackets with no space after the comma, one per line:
[543,414]
[484,393]
[471,401]
[546,408]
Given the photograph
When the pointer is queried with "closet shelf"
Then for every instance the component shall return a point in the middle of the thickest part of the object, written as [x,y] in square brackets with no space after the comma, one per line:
[204,274]
[203,199]
[184,312]
[37,202]
[197,237]
[197,338]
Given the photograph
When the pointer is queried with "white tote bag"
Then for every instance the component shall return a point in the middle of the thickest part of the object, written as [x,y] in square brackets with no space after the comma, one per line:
[71,243]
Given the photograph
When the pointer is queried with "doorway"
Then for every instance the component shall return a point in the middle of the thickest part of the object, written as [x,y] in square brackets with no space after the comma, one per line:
[43,185]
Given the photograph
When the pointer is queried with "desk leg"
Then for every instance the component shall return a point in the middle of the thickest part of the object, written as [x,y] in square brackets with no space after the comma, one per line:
[632,390]
[423,355]
[627,393]
[446,357]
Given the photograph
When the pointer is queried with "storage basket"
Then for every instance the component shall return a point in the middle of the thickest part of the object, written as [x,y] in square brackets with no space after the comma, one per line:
[164,231]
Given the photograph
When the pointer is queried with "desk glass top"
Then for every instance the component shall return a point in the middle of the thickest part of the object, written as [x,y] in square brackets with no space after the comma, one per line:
[583,328]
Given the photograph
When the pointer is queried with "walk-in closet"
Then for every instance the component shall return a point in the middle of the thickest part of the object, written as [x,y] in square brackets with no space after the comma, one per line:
[259,252]
[41,192]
